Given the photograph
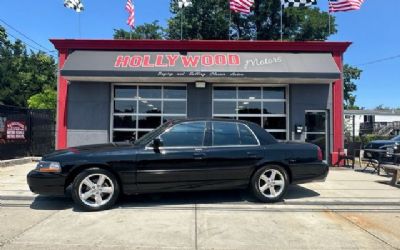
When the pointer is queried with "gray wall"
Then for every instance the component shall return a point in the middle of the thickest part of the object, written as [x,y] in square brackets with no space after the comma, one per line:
[307,97]
[88,111]
[199,101]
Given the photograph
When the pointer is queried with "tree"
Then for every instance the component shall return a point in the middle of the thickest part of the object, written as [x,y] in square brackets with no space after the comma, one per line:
[47,99]
[209,19]
[350,74]
[145,31]
[23,73]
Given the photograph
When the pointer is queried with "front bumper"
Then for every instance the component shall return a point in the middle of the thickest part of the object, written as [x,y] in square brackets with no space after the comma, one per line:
[46,183]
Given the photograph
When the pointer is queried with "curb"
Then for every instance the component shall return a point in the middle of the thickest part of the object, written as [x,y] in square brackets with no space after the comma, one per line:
[19,161]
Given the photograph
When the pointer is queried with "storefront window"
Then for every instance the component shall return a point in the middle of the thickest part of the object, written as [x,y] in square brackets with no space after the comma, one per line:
[263,105]
[139,109]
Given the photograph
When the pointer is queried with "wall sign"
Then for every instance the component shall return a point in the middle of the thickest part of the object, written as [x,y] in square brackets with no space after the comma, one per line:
[15,130]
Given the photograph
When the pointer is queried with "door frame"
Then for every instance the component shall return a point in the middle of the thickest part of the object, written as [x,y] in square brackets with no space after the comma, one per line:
[326,133]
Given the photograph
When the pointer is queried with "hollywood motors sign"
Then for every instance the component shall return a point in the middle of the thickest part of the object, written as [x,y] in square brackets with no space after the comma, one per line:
[176,60]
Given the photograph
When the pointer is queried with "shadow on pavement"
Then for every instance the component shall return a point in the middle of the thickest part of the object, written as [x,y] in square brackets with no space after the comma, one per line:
[174,198]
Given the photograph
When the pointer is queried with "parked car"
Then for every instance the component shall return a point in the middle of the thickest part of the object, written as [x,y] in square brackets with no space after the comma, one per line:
[392,146]
[183,155]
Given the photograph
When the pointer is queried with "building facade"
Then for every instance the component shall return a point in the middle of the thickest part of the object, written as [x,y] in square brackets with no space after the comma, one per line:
[118,90]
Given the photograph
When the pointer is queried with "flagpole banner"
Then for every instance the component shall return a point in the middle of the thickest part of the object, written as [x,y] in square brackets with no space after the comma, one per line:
[76,5]
[241,6]
[131,10]
[344,5]
[298,3]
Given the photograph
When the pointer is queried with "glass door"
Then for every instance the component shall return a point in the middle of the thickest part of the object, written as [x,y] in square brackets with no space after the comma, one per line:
[316,130]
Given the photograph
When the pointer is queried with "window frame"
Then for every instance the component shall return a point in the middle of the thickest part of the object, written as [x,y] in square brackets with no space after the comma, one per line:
[233,145]
[236,115]
[136,114]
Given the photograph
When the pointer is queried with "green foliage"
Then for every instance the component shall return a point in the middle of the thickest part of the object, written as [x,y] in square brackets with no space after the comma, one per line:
[47,99]
[146,31]
[350,74]
[23,73]
[367,138]
[205,20]
[209,19]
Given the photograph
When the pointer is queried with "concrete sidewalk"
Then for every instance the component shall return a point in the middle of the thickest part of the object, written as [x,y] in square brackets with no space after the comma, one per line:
[351,210]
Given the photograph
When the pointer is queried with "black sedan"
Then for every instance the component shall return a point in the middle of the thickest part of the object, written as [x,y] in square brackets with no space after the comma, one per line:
[207,154]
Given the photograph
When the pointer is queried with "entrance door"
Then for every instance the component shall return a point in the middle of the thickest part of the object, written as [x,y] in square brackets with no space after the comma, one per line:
[316,130]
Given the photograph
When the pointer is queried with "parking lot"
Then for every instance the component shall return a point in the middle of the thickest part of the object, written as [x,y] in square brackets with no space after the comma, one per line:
[351,210]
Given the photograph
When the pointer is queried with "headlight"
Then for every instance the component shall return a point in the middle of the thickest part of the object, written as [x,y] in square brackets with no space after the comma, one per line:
[48,167]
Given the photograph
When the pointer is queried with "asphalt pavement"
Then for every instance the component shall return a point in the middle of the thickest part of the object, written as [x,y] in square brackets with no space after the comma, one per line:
[351,210]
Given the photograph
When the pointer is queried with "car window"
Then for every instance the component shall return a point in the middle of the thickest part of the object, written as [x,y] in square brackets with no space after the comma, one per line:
[246,136]
[188,134]
[225,133]
[397,138]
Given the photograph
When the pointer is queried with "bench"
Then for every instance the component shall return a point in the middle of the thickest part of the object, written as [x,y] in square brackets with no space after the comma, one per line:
[395,170]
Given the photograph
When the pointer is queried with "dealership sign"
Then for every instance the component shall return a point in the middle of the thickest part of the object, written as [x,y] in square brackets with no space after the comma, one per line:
[90,65]
[15,130]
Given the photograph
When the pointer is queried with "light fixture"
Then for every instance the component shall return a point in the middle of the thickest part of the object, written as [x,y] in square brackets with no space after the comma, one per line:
[252,98]
[144,101]
[245,103]
[200,85]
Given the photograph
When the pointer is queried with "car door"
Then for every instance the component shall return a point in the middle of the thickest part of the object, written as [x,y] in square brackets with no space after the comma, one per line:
[233,154]
[178,164]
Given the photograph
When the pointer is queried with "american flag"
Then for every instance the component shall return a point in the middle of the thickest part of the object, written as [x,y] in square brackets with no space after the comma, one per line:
[131,10]
[241,6]
[344,5]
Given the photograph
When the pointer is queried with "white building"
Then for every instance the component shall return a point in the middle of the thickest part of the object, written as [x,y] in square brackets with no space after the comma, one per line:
[381,122]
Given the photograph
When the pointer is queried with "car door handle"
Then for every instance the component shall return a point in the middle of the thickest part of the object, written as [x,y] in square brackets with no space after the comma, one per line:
[252,155]
[199,156]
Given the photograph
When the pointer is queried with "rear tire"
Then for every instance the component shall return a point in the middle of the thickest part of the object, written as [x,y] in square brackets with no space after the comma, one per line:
[95,189]
[269,183]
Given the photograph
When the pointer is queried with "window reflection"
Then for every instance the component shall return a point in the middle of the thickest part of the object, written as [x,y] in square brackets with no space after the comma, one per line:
[274,93]
[120,136]
[125,106]
[224,107]
[149,121]
[124,122]
[249,107]
[149,107]
[174,92]
[250,93]
[224,93]
[274,108]
[274,123]
[149,92]
[125,92]
[174,107]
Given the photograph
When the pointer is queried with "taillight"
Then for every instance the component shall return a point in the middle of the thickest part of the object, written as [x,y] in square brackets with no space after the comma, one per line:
[320,158]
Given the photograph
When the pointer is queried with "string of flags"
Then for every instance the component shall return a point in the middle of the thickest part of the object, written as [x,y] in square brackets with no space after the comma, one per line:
[76,5]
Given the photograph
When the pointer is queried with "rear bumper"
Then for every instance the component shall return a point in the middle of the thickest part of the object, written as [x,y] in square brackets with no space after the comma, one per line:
[46,183]
[309,172]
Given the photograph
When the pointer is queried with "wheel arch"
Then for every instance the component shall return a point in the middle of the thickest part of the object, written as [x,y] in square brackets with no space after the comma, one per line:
[276,163]
[72,175]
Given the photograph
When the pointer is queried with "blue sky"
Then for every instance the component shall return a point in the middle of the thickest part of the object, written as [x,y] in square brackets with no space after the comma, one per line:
[374,31]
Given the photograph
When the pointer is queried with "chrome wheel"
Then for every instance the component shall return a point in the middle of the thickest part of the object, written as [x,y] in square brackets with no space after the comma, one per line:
[271,183]
[96,190]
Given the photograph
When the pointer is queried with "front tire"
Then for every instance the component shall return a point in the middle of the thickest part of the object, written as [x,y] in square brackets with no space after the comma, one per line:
[95,189]
[269,183]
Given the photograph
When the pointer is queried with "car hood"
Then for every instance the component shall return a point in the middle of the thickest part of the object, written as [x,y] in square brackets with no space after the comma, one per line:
[87,150]
[380,143]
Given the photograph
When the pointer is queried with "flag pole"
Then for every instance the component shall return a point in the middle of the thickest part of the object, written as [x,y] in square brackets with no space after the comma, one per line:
[329,18]
[281,22]
[230,23]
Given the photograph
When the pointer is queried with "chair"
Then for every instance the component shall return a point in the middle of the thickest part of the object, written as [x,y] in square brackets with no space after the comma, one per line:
[351,155]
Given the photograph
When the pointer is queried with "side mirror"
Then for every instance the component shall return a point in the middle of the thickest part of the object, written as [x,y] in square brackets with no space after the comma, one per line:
[157,143]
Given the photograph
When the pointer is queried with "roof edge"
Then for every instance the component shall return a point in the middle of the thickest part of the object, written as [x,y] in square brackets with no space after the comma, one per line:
[201,45]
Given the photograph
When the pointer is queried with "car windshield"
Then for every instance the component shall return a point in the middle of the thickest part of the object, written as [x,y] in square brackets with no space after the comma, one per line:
[396,138]
[149,136]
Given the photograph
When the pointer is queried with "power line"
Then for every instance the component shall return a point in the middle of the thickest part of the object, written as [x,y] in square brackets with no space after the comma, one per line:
[25,36]
[379,60]
[27,44]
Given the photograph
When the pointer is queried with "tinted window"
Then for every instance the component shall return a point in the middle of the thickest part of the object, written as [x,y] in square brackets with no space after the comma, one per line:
[246,136]
[189,134]
[225,133]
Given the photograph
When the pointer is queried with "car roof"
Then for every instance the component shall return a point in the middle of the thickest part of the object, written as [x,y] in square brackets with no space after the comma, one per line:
[176,121]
